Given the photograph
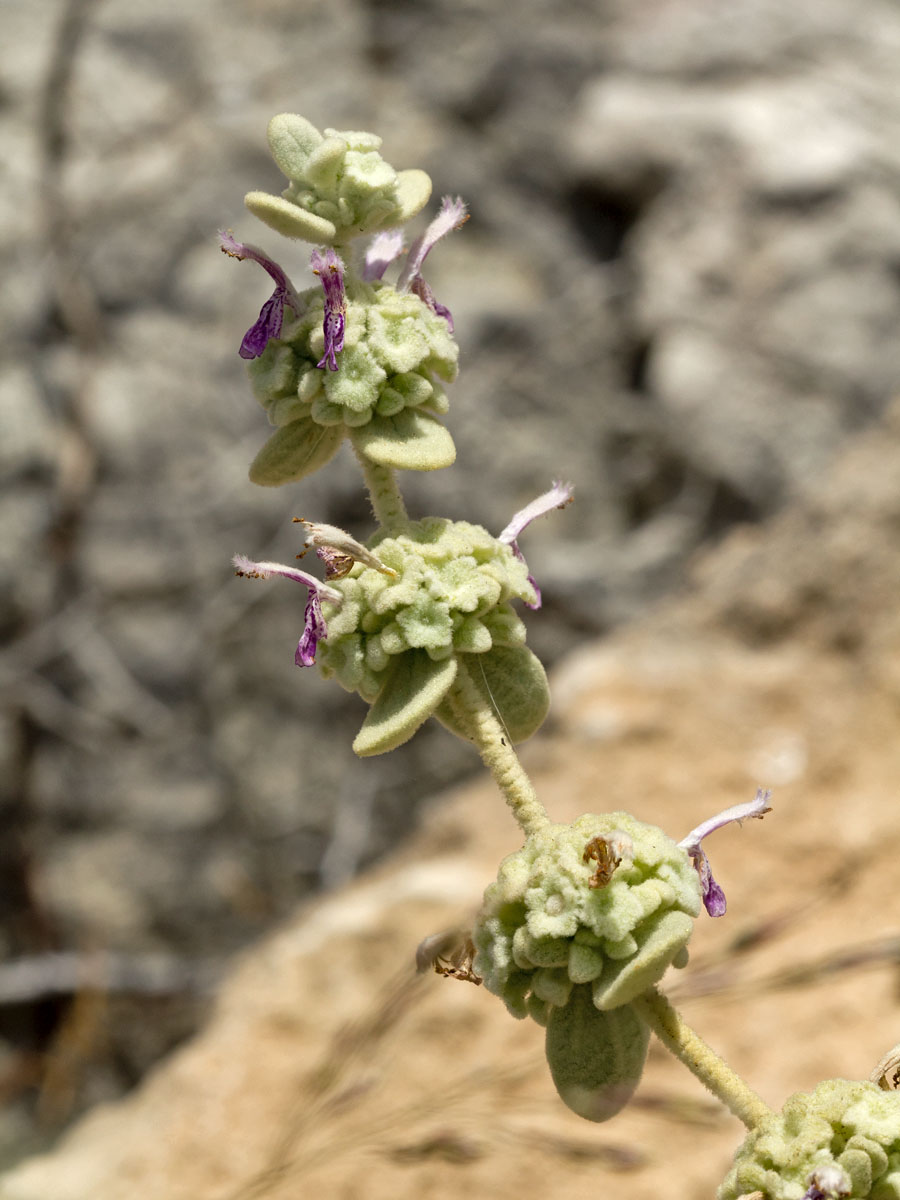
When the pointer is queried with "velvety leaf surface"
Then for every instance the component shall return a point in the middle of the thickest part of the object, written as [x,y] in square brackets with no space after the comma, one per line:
[596,1058]
[514,680]
[410,441]
[289,219]
[415,685]
[295,451]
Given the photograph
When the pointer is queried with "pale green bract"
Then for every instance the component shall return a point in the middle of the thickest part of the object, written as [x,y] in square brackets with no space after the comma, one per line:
[339,185]
[850,1129]
[395,351]
[543,929]
[596,1058]
[395,640]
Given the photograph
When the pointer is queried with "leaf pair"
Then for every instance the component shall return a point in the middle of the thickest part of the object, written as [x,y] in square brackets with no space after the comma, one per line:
[409,441]
[416,687]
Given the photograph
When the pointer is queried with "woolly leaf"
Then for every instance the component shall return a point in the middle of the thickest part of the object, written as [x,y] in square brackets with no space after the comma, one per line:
[410,441]
[290,219]
[585,963]
[552,985]
[659,939]
[295,451]
[413,191]
[366,174]
[292,140]
[413,688]
[596,1058]
[323,165]
[515,683]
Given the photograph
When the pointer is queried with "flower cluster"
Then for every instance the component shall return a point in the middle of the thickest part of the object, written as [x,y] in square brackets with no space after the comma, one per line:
[451,590]
[398,612]
[841,1140]
[554,920]
[389,356]
[360,358]
[450,595]
[607,901]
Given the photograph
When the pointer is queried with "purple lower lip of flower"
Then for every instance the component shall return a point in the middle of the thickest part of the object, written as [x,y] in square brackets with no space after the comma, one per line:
[314,627]
[424,292]
[271,318]
[452,215]
[271,315]
[713,896]
[314,630]
[334,340]
[330,270]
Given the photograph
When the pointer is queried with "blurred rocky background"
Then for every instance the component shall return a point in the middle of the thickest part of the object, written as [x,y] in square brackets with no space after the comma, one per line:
[679,289]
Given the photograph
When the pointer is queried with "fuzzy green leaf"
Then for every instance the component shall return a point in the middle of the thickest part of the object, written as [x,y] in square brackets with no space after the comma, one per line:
[413,688]
[659,939]
[290,219]
[515,683]
[413,192]
[323,165]
[295,451]
[292,139]
[596,1058]
[410,441]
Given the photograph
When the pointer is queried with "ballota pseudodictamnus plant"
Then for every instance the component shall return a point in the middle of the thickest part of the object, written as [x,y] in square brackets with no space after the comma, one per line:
[582,922]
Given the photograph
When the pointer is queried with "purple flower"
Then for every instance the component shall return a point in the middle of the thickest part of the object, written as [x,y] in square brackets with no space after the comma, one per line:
[452,214]
[713,896]
[558,497]
[330,270]
[426,295]
[314,628]
[381,252]
[271,315]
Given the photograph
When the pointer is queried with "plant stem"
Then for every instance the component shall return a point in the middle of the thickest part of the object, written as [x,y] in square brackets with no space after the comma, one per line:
[712,1071]
[384,494]
[476,713]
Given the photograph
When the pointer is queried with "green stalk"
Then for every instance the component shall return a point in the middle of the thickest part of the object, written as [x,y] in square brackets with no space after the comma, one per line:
[712,1071]
[475,712]
[384,494]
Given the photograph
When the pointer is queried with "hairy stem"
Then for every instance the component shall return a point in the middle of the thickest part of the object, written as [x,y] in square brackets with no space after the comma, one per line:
[475,712]
[384,494]
[712,1071]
